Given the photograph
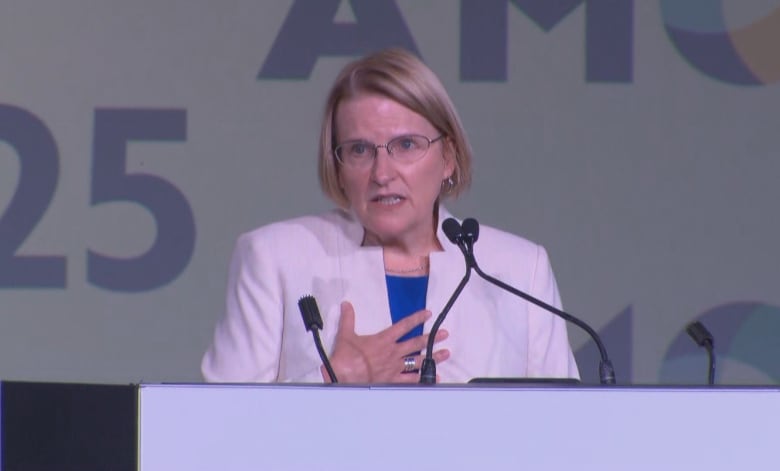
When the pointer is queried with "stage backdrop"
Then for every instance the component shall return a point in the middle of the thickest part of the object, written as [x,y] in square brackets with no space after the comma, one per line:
[636,140]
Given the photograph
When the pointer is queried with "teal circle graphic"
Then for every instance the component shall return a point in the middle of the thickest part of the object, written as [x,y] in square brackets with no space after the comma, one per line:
[746,55]
[747,333]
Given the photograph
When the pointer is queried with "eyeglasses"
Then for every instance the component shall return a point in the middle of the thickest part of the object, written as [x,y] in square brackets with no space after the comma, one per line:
[402,149]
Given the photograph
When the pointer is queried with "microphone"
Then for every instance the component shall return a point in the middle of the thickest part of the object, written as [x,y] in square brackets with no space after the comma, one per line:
[454,233]
[703,338]
[470,234]
[313,322]
[452,230]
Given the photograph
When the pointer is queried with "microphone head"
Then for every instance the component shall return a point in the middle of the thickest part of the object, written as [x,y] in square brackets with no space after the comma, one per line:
[700,334]
[310,312]
[452,230]
[470,229]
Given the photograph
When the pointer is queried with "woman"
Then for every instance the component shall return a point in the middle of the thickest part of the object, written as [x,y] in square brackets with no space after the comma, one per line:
[391,148]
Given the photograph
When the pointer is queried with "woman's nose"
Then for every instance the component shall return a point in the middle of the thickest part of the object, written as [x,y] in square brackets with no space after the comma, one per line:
[382,169]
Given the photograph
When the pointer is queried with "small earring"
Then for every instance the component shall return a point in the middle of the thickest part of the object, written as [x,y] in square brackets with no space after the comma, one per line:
[448,184]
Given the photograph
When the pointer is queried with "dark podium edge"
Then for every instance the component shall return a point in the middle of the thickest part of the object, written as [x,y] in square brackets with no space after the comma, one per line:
[68,427]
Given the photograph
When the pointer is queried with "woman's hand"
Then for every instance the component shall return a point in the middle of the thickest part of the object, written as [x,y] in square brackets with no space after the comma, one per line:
[378,358]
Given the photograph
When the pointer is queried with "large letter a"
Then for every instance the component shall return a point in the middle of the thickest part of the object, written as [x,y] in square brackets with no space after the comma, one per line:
[309,32]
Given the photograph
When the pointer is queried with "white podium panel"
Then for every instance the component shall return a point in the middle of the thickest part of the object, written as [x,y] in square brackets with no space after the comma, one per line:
[297,427]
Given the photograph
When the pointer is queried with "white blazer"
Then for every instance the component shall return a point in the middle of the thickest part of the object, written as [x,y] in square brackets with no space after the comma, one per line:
[492,333]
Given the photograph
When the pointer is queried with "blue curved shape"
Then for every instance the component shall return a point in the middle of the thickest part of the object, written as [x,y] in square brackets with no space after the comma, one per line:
[743,331]
[756,342]
[701,16]
[714,55]
[723,321]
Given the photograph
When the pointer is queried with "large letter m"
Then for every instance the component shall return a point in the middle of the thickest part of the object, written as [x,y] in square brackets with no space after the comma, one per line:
[608,36]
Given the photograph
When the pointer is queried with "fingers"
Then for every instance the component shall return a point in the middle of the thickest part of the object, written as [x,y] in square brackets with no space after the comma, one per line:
[420,342]
[441,355]
[442,334]
[347,319]
[438,357]
[411,363]
[406,376]
[379,357]
[397,330]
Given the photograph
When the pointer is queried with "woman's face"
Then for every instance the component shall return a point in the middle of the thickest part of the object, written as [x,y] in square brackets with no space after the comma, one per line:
[393,201]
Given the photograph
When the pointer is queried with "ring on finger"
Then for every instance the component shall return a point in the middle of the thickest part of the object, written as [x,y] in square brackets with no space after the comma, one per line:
[410,364]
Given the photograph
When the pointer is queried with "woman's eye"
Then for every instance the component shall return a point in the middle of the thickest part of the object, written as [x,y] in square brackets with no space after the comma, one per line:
[358,148]
[406,143]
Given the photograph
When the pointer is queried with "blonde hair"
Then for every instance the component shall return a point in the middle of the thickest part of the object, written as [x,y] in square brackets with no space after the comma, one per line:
[399,75]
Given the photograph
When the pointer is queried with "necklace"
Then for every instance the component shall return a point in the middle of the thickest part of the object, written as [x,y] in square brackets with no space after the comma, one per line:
[422,267]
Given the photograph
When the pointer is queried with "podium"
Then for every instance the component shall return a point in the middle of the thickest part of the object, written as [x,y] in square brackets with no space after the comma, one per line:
[295,427]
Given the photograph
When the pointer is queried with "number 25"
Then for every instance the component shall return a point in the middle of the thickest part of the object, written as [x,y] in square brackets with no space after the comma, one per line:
[39,170]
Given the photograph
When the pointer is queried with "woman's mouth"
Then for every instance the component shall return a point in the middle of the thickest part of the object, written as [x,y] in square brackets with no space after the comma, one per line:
[387,199]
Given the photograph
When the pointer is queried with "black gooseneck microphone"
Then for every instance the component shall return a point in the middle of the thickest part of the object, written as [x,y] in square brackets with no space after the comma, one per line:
[703,338]
[313,322]
[606,370]
[454,233]
[469,234]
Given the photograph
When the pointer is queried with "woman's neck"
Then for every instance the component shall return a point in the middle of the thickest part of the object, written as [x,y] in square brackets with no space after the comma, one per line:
[406,266]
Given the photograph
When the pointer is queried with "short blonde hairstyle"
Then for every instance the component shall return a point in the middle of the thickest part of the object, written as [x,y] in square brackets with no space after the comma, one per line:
[400,76]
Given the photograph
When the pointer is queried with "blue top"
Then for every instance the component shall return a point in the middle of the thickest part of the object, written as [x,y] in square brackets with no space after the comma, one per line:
[407,296]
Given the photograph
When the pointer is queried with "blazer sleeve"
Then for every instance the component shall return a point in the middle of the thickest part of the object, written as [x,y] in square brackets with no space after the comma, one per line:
[248,339]
[549,352]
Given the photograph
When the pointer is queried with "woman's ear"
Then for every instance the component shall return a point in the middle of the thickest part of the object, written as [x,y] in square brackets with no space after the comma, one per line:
[450,164]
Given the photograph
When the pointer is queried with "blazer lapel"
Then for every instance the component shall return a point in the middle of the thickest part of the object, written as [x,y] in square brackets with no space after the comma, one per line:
[363,275]
[446,270]
[364,284]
